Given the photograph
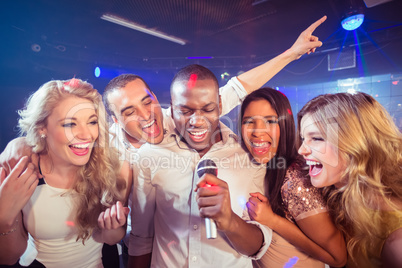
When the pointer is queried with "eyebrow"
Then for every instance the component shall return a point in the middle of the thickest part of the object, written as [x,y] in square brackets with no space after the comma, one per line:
[186,107]
[313,133]
[265,117]
[74,118]
[131,106]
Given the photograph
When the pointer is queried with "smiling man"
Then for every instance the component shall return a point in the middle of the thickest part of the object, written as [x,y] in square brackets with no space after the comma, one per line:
[170,200]
[196,110]
[134,109]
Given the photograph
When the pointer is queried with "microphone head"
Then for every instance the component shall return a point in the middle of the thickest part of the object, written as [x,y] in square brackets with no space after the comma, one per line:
[207,166]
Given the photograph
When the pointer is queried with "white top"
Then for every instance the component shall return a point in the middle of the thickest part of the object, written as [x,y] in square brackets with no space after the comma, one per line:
[166,217]
[49,219]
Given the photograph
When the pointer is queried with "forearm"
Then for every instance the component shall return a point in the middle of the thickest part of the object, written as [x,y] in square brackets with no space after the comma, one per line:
[260,75]
[296,237]
[13,241]
[112,237]
[143,261]
[239,234]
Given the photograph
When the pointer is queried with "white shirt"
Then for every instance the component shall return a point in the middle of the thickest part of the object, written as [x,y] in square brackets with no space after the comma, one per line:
[166,217]
[232,94]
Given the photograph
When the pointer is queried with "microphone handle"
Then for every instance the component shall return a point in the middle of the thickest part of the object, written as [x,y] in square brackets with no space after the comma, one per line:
[210,227]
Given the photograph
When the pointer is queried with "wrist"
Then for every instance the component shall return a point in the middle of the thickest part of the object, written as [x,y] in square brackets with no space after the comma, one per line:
[290,55]
[7,221]
[233,224]
[6,229]
[274,222]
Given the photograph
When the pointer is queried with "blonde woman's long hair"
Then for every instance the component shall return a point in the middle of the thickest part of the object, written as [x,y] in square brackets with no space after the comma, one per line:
[370,144]
[98,185]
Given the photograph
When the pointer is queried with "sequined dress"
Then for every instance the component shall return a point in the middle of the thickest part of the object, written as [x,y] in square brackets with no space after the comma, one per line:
[300,200]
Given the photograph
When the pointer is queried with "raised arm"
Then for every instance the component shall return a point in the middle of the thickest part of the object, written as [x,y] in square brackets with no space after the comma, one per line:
[325,243]
[15,191]
[305,43]
[236,90]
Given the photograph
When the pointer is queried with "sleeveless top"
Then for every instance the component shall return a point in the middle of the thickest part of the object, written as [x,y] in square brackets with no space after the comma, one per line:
[300,200]
[49,219]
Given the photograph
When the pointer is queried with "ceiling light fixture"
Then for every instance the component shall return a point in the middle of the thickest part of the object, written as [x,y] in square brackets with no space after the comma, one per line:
[200,57]
[138,27]
[352,22]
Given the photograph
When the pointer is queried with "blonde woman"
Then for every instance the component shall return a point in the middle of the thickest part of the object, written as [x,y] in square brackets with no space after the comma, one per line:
[63,219]
[354,152]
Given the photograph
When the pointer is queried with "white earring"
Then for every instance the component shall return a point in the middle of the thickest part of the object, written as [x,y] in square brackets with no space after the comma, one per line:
[43,135]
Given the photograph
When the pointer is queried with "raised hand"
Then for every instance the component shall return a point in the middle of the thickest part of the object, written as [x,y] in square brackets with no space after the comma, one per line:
[16,189]
[14,151]
[113,217]
[260,210]
[307,42]
[213,200]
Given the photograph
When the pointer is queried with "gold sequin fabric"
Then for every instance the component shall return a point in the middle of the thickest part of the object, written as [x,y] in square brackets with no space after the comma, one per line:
[300,198]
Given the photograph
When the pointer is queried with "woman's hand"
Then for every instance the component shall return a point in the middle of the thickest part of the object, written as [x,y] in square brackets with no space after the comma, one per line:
[15,190]
[260,210]
[112,224]
[113,217]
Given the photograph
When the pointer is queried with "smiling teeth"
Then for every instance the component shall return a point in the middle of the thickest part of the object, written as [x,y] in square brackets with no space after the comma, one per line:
[312,163]
[149,124]
[81,146]
[198,133]
[259,144]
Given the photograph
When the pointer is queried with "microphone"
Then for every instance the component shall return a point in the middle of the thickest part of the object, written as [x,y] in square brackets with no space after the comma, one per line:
[204,167]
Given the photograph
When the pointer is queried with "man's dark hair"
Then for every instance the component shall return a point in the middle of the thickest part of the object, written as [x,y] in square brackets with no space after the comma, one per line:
[201,73]
[117,83]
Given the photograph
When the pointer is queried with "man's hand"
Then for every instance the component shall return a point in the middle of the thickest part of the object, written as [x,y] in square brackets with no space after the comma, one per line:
[213,200]
[307,42]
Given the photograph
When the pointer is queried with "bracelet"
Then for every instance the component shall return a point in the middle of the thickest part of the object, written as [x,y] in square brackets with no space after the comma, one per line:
[10,231]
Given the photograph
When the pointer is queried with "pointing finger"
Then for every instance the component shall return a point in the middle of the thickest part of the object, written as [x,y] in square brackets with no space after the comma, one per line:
[314,26]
